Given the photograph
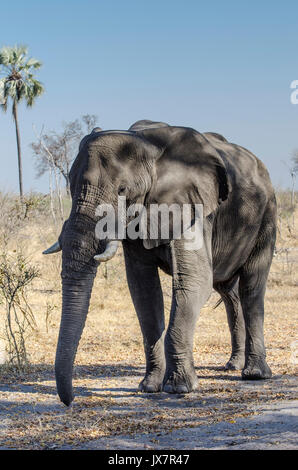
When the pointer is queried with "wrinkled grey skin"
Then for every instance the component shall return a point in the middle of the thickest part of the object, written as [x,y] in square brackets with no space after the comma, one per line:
[154,162]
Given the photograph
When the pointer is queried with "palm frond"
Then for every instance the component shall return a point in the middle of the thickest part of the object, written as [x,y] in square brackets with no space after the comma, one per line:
[33,89]
[5,56]
[33,63]
[10,89]
[18,55]
[3,99]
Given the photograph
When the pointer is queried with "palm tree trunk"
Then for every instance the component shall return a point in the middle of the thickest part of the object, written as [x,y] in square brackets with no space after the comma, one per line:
[15,115]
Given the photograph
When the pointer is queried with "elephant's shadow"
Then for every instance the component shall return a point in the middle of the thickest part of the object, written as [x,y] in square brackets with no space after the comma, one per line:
[129,377]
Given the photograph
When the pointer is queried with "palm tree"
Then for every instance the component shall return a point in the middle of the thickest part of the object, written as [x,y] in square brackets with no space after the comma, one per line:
[18,84]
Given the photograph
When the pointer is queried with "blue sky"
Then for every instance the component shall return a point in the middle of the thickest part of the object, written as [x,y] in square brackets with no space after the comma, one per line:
[223,66]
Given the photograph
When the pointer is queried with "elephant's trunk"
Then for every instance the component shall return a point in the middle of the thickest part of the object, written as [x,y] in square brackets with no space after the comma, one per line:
[79,248]
[78,272]
[76,297]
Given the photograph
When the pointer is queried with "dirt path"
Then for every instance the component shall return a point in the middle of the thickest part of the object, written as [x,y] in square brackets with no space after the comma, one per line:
[109,413]
[275,428]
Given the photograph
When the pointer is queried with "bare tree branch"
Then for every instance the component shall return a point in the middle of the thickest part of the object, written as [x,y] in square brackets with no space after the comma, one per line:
[60,148]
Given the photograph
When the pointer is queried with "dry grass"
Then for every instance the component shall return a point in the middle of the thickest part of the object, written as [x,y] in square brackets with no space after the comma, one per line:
[110,359]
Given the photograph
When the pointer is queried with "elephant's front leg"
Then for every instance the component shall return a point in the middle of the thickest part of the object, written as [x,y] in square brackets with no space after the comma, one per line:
[192,286]
[144,285]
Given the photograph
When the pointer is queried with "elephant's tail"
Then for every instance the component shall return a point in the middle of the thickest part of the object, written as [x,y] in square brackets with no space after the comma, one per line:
[217,303]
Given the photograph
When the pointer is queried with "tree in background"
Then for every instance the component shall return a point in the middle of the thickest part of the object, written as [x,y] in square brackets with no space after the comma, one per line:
[18,84]
[293,173]
[287,199]
[54,153]
[57,150]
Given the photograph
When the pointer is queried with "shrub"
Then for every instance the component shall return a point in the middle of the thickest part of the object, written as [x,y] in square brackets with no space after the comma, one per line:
[16,274]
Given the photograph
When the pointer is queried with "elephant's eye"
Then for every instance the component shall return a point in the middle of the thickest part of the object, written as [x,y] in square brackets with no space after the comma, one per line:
[121,190]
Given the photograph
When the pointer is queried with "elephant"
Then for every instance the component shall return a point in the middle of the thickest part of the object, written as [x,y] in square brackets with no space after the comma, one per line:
[150,163]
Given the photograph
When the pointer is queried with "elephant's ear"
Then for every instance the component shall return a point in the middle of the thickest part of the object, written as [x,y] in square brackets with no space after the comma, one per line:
[189,171]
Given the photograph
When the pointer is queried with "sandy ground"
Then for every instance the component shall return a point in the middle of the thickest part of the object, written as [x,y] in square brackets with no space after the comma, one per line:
[274,427]
[109,413]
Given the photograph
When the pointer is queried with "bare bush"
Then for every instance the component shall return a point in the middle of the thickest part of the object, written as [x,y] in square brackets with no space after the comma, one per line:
[10,216]
[285,212]
[14,214]
[16,274]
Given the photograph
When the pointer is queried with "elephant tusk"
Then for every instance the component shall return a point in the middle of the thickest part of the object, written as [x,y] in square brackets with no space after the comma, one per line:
[53,249]
[109,252]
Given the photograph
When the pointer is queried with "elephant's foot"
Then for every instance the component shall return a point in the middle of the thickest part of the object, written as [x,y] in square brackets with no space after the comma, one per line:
[236,361]
[256,368]
[152,382]
[180,381]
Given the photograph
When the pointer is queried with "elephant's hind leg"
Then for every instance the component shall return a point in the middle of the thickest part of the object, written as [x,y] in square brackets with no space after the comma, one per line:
[230,296]
[252,285]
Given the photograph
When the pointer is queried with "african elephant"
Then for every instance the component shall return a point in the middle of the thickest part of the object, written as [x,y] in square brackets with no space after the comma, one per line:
[157,163]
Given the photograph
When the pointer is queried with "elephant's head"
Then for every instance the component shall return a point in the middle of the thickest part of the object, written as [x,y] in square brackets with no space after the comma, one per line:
[160,165]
